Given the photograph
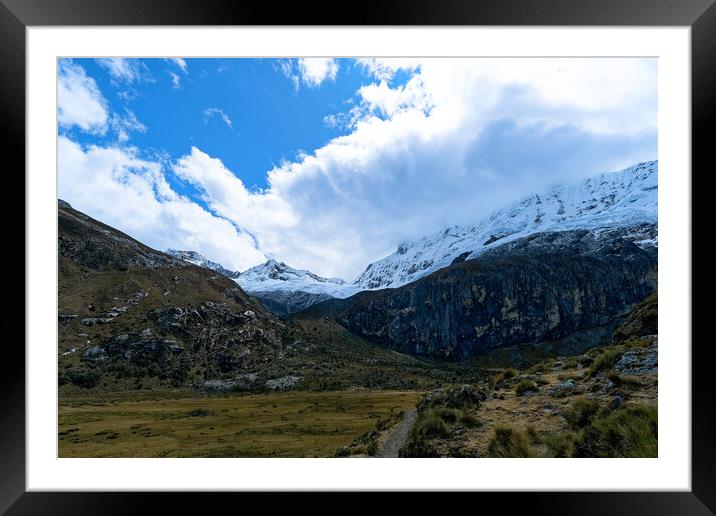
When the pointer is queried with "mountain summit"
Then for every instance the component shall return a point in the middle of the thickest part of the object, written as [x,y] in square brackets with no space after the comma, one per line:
[616,199]
[284,289]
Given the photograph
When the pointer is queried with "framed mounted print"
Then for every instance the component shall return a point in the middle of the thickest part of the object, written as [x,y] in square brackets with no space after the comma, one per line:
[440,250]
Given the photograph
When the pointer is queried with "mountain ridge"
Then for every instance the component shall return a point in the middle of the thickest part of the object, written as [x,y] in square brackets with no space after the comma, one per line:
[611,199]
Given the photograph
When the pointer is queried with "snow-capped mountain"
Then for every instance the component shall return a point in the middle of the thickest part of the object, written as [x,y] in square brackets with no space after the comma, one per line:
[284,289]
[202,261]
[273,275]
[615,199]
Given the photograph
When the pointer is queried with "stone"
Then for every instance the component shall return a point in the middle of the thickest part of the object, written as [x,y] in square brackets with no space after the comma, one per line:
[617,402]
[95,354]
[284,382]
[91,321]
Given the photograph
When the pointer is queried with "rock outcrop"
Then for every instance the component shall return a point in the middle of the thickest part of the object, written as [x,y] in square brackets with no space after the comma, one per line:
[545,286]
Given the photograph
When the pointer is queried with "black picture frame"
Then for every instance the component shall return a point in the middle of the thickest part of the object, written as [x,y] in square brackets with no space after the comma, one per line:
[16,15]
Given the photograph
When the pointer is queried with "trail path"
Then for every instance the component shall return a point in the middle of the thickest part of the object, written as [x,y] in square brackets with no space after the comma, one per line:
[398,436]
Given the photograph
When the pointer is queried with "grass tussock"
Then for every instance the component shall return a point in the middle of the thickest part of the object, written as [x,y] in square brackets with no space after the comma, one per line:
[507,442]
[625,432]
[604,362]
[436,422]
[624,381]
[525,385]
[581,411]
[507,374]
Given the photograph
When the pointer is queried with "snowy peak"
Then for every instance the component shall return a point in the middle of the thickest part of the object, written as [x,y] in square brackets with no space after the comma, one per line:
[617,199]
[279,271]
[202,261]
[273,276]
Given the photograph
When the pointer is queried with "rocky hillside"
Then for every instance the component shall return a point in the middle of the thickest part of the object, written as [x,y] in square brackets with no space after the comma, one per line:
[611,200]
[132,317]
[541,287]
[133,312]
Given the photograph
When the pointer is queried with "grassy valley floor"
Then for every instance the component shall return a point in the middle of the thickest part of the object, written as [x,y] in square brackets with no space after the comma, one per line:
[182,424]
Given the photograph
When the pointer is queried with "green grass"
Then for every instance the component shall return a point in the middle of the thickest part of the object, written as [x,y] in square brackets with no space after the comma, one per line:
[625,432]
[580,412]
[287,424]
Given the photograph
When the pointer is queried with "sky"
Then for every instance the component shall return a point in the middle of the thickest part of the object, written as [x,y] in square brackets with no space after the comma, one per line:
[329,164]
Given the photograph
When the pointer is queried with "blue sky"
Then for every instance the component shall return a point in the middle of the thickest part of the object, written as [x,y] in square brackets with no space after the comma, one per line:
[328,164]
[244,110]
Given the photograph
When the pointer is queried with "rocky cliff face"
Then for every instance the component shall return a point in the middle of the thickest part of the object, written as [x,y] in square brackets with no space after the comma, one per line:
[545,286]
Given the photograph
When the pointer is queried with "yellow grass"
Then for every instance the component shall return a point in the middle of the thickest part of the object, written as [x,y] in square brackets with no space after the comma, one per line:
[291,424]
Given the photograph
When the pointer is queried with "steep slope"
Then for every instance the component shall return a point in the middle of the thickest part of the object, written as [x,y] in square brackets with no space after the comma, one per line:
[129,311]
[132,317]
[540,287]
[202,261]
[617,199]
[285,290]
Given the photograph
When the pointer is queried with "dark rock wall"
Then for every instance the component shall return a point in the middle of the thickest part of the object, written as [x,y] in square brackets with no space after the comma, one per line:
[475,306]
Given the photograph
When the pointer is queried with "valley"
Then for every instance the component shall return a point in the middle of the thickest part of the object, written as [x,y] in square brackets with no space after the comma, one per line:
[532,333]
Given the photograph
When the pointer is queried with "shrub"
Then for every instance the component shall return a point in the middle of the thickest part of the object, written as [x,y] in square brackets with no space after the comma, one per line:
[524,386]
[626,432]
[507,442]
[343,451]
[447,414]
[581,412]
[431,424]
[85,378]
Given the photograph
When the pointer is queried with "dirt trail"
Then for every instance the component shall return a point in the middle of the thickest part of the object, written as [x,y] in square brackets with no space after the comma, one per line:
[398,436]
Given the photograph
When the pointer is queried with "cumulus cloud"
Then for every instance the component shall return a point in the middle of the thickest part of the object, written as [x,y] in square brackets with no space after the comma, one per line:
[455,141]
[117,187]
[79,101]
[311,71]
[209,112]
[449,142]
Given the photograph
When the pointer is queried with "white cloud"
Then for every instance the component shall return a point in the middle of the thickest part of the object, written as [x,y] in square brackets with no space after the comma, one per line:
[460,138]
[181,63]
[79,100]
[176,80]
[132,195]
[385,69]
[315,70]
[124,125]
[457,139]
[209,112]
[312,71]
[122,69]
